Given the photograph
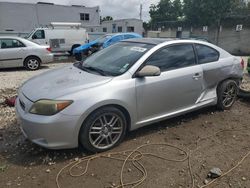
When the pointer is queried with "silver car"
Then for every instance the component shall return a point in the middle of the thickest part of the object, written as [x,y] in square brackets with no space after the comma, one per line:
[19,52]
[124,87]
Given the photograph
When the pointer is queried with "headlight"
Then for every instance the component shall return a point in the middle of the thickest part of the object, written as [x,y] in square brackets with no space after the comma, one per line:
[49,107]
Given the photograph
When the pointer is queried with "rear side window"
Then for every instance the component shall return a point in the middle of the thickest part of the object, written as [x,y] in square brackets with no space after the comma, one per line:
[206,54]
[11,43]
[173,57]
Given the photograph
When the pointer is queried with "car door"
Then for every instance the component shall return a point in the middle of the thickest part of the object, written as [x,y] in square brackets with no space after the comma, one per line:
[12,53]
[208,58]
[177,88]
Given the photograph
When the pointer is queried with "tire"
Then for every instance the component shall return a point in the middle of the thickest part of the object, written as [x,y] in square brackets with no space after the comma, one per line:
[32,63]
[97,136]
[227,94]
[244,94]
[78,57]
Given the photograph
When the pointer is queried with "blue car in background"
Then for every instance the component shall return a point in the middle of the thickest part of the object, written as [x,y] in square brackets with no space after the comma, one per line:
[100,43]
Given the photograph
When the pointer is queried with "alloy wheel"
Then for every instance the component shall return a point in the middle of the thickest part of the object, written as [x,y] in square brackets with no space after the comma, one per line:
[106,131]
[229,95]
[33,64]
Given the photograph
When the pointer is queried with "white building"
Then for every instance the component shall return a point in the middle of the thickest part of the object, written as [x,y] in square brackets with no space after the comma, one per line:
[22,18]
[119,26]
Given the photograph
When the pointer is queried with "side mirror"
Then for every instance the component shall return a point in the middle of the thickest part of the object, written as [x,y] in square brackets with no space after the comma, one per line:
[34,37]
[149,70]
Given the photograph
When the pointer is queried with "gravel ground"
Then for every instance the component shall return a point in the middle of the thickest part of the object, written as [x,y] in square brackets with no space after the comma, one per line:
[11,80]
[23,164]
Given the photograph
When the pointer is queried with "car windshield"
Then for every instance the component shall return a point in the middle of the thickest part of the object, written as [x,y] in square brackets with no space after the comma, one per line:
[27,36]
[116,59]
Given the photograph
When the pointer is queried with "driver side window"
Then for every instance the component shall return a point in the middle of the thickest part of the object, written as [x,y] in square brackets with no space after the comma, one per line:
[39,34]
[173,57]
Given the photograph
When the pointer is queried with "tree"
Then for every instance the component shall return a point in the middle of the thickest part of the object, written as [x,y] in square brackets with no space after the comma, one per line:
[107,18]
[166,10]
[204,12]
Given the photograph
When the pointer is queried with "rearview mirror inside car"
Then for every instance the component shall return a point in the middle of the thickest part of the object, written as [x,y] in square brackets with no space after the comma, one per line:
[149,70]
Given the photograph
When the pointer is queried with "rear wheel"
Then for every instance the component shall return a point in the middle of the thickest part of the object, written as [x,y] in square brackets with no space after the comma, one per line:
[103,129]
[227,93]
[32,63]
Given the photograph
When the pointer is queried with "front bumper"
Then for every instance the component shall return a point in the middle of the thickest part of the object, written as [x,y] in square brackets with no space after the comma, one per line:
[53,132]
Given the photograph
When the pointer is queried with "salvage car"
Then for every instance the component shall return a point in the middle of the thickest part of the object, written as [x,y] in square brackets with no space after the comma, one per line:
[19,52]
[100,43]
[121,88]
[248,65]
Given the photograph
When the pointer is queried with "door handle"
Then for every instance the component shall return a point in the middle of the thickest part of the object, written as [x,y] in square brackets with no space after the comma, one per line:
[197,76]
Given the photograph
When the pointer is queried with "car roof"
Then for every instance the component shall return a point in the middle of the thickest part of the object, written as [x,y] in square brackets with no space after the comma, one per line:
[153,41]
[10,37]
[118,34]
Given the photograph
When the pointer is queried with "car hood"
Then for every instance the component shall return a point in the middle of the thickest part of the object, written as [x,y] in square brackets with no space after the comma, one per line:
[60,82]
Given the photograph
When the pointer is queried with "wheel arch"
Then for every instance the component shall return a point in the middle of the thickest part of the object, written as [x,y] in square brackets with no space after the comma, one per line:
[236,79]
[118,106]
[73,47]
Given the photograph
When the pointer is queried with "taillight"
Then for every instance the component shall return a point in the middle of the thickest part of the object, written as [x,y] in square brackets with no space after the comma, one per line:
[48,49]
[242,63]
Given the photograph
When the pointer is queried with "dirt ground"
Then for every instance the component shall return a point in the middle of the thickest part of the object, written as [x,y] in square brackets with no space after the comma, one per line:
[214,138]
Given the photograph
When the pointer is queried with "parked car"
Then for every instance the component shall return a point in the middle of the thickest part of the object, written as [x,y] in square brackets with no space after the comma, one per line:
[19,52]
[100,43]
[60,36]
[124,87]
[248,65]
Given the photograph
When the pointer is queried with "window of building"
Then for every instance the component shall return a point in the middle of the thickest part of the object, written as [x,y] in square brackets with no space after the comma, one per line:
[113,28]
[104,29]
[39,34]
[11,43]
[84,17]
[130,29]
[173,57]
[206,54]
[119,29]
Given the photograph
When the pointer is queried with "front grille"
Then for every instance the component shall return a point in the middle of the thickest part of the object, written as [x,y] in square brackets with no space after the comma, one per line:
[22,104]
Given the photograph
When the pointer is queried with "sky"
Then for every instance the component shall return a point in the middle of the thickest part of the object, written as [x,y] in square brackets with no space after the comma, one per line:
[115,8]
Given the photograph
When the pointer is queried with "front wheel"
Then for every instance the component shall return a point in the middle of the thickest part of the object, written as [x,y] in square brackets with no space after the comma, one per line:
[103,129]
[227,93]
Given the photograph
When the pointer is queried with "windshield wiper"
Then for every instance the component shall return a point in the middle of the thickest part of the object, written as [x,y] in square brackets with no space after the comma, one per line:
[99,71]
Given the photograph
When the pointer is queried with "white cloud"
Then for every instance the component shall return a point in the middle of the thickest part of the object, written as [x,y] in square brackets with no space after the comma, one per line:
[115,8]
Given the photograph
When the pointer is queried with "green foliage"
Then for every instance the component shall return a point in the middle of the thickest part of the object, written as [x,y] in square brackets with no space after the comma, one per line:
[3,168]
[107,18]
[196,12]
[204,12]
[166,10]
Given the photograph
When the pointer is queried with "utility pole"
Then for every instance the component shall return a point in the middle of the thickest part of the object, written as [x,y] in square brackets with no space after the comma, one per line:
[140,11]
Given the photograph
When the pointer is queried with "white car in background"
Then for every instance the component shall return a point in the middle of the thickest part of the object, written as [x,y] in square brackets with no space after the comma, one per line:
[19,52]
